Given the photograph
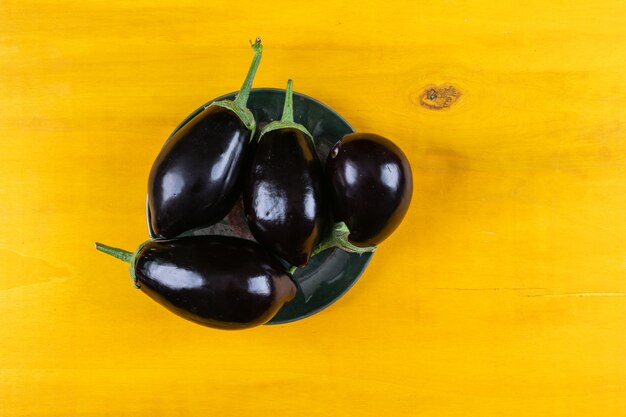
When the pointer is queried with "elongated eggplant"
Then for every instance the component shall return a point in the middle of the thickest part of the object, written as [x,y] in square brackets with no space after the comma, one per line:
[371,184]
[197,177]
[284,196]
[217,281]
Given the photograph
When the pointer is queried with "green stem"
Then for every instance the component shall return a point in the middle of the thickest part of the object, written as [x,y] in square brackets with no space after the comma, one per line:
[288,107]
[286,121]
[242,96]
[121,254]
[339,238]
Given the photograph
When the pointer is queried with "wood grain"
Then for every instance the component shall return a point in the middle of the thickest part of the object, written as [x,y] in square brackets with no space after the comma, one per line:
[502,294]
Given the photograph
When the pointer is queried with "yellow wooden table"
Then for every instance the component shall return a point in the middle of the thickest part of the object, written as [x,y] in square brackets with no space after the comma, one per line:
[503,293]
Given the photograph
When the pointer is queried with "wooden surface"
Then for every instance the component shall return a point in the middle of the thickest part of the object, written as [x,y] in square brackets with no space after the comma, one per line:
[503,293]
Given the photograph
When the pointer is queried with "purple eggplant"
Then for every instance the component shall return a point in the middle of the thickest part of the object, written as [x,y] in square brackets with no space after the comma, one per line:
[371,185]
[197,177]
[217,281]
[285,198]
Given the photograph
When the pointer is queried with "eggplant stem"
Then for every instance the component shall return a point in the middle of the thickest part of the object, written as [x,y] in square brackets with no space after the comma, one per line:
[288,107]
[121,254]
[339,238]
[242,96]
[292,269]
[286,121]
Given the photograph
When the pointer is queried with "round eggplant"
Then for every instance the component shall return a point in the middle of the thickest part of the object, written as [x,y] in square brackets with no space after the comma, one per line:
[197,176]
[285,199]
[217,281]
[371,185]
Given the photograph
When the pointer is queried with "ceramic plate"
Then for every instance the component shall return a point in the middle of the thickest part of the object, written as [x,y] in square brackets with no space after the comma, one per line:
[331,273]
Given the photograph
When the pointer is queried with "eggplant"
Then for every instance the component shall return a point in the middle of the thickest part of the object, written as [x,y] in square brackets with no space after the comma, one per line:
[284,197]
[197,176]
[371,185]
[216,281]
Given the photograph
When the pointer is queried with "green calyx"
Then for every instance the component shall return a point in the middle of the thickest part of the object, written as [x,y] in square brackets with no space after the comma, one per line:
[339,238]
[123,255]
[239,104]
[243,113]
[286,120]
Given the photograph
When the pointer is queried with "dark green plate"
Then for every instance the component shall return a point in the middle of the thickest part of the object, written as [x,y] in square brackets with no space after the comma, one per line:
[331,273]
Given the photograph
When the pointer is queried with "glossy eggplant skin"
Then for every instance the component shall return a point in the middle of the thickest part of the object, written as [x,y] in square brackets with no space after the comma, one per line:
[371,185]
[285,199]
[217,281]
[197,177]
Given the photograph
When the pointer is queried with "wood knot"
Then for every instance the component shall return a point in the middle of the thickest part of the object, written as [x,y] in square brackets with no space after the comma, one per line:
[439,97]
